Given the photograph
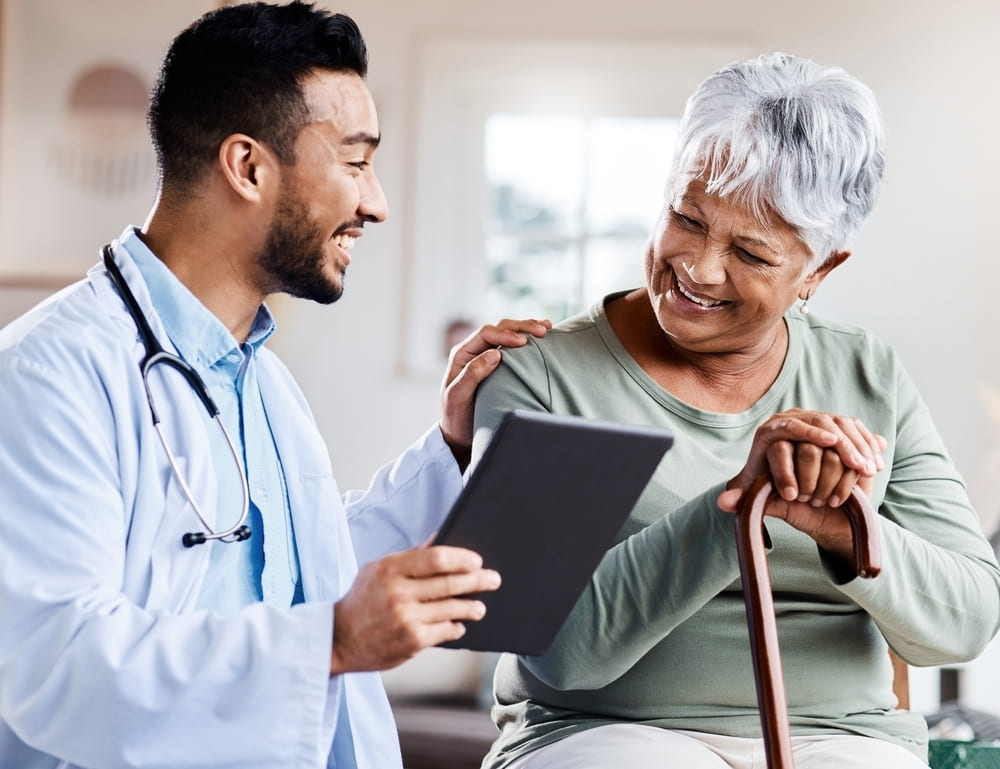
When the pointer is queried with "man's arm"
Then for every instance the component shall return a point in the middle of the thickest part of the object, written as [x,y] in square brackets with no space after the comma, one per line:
[408,499]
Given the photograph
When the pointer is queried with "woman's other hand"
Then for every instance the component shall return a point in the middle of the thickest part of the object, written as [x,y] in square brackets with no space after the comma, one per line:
[814,459]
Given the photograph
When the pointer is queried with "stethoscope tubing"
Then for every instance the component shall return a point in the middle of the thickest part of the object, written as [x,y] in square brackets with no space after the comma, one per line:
[155,355]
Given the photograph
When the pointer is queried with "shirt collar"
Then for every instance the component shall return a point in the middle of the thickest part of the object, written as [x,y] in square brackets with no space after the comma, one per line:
[199,336]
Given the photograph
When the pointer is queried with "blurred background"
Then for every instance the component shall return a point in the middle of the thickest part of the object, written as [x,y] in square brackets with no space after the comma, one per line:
[525,145]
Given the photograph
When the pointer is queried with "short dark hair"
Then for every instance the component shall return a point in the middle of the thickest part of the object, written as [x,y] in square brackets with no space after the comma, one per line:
[239,69]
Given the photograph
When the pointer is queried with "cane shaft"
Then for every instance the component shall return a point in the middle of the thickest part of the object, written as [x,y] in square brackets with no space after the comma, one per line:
[759,601]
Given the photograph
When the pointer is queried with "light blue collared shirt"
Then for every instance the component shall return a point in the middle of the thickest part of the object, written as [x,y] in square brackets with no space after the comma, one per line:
[265,567]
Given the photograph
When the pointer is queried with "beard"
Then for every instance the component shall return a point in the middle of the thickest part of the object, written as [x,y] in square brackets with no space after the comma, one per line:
[293,256]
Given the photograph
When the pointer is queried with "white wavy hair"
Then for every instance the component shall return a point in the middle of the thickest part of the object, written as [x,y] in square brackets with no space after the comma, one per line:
[783,135]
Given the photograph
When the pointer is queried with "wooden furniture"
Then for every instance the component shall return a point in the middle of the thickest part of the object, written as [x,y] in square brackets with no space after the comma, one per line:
[443,736]
[900,681]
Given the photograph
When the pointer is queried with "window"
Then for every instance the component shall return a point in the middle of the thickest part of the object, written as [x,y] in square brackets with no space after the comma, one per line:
[538,171]
[571,202]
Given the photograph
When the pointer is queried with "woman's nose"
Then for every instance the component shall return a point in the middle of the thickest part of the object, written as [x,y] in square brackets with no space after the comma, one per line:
[705,268]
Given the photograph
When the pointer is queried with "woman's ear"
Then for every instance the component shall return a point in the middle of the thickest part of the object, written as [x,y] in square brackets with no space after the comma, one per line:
[246,165]
[818,275]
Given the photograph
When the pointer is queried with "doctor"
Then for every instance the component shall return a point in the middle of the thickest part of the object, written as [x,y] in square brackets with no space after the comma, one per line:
[185,592]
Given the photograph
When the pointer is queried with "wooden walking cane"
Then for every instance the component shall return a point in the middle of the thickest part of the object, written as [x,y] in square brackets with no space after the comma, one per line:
[756,578]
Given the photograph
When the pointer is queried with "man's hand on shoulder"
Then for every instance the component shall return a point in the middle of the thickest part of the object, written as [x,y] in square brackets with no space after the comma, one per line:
[470,362]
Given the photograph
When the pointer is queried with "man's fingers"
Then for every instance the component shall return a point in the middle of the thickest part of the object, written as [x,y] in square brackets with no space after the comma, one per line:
[469,363]
[464,380]
[438,559]
[405,602]
[514,333]
[451,610]
[443,571]
[443,631]
[447,585]
[507,333]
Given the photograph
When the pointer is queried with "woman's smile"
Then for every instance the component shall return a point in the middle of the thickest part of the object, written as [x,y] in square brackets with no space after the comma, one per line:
[686,296]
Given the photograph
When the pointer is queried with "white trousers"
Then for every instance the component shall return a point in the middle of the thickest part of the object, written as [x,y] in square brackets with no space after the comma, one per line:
[637,746]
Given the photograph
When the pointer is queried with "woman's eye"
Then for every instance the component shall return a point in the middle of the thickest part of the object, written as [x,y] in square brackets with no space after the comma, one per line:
[746,256]
[685,221]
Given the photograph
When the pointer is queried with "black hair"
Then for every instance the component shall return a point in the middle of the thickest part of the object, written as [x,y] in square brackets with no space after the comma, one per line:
[239,69]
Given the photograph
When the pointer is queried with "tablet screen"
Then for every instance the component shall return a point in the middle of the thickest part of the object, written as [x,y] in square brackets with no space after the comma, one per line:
[543,505]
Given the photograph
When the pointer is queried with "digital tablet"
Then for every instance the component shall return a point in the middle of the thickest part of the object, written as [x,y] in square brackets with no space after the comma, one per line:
[542,506]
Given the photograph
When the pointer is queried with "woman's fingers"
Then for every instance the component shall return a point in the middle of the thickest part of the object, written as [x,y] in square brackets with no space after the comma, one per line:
[857,447]
[812,457]
[834,482]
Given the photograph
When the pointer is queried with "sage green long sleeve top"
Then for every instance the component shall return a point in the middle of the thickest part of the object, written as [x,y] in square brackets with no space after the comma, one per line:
[660,637]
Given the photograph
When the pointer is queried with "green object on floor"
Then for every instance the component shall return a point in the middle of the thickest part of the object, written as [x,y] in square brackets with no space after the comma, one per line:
[960,754]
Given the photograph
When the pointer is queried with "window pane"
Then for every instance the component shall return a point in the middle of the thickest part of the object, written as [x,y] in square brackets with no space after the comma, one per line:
[534,172]
[531,278]
[611,264]
[572,202]
[628,163]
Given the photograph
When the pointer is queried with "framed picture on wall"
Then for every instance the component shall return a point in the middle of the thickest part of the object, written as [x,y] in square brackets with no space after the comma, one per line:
[76,165]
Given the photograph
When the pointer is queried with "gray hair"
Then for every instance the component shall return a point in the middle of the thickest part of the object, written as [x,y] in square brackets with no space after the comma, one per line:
[783,135]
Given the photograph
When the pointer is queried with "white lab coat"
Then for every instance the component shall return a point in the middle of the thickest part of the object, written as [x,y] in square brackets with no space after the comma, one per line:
[104,662]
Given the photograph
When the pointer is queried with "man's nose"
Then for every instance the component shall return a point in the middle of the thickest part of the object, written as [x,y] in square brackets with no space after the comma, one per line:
[373,206]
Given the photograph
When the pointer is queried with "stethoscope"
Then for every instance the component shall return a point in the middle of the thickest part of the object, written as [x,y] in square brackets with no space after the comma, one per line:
[156,354]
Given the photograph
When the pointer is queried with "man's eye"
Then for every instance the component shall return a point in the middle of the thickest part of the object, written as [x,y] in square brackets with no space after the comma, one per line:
[361,165]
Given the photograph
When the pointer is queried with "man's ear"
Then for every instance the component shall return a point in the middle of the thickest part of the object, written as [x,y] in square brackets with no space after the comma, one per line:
[818,275]
[246,165]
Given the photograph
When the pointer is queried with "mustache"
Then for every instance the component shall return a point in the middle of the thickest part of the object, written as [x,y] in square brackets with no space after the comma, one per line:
[356,224]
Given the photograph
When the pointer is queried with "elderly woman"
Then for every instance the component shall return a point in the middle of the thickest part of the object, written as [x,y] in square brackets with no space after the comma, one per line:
[779,161]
